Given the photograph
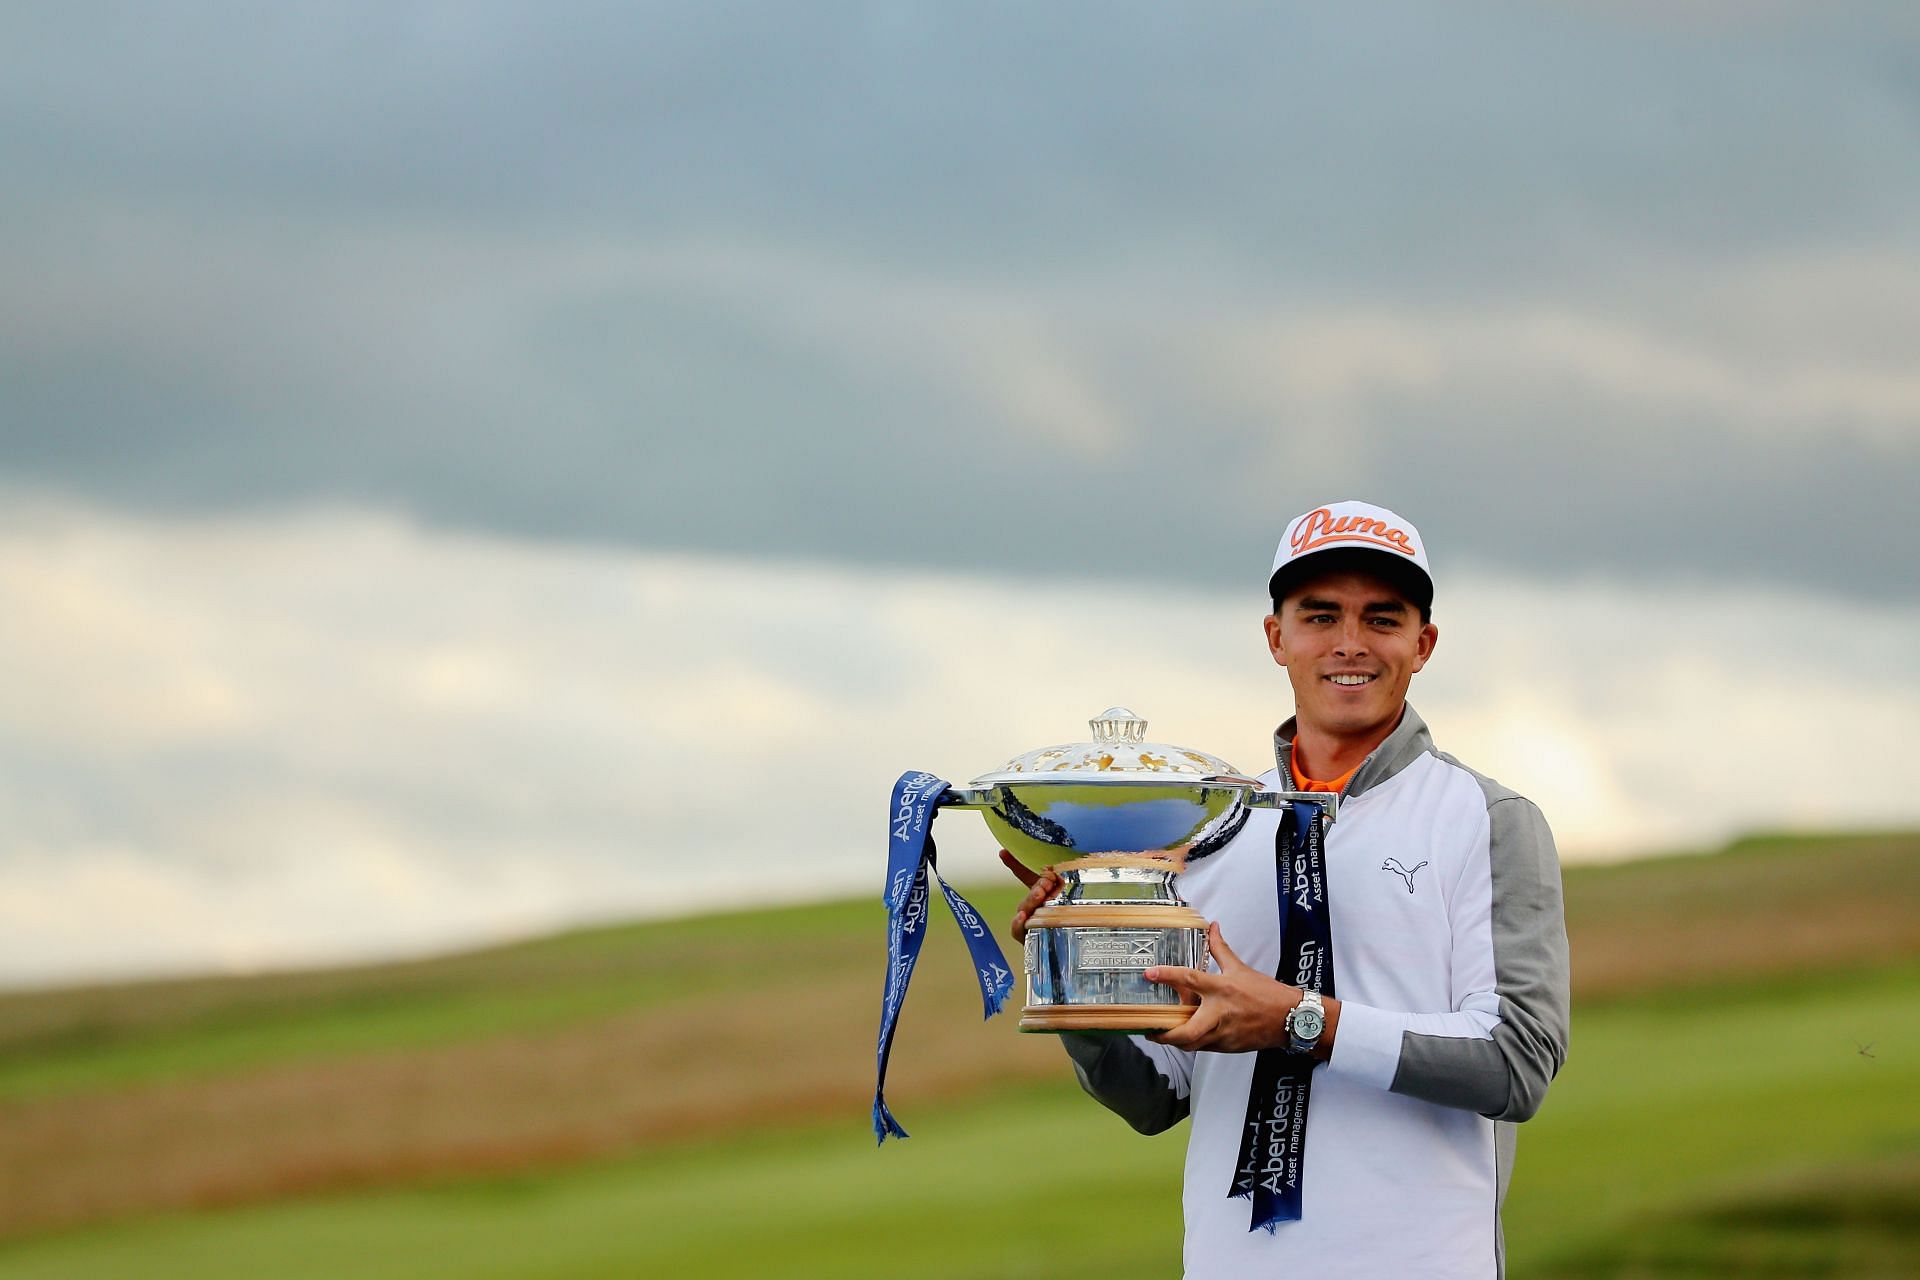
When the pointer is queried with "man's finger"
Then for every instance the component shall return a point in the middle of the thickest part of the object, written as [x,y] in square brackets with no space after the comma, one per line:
[1019,869]
[1019,927]
[1193,1031]
[1191,982]
[1042,888]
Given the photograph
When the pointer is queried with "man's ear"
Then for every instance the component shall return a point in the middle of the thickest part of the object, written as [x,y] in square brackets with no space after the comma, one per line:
[1275,645]
[1429,637]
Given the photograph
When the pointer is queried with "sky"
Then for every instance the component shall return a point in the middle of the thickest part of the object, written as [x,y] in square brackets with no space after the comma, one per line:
[467,469]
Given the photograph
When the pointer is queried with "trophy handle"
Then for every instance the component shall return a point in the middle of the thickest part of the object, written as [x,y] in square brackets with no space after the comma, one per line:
[966,798]
[1281,799]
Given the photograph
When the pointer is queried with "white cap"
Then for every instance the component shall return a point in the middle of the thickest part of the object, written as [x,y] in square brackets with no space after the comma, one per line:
[1355,526]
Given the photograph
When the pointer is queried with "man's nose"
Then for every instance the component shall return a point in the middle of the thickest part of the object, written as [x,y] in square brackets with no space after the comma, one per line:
[1353,640]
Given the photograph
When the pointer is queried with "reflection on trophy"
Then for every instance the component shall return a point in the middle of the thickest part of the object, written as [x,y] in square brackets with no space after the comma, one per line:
[1118,818]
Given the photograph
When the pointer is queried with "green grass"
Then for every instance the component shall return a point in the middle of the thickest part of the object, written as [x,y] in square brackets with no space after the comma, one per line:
[1682,1101]
[1858,1220]
[1678,1129]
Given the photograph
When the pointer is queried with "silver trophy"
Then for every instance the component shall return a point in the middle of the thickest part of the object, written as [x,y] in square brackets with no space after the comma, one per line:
[1119,818]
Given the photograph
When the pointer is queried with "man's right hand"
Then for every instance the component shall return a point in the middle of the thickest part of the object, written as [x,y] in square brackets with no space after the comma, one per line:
[1039,889]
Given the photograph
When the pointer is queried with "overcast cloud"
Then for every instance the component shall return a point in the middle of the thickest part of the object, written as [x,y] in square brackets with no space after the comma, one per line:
[888,283]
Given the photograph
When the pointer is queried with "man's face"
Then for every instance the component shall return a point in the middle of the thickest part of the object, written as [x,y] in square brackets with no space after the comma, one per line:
[1350,643]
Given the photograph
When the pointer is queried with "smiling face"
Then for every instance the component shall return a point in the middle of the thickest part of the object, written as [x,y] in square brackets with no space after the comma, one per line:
[1350,642]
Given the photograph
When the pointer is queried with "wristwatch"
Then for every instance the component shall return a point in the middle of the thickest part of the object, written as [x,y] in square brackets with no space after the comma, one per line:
[1305,1022]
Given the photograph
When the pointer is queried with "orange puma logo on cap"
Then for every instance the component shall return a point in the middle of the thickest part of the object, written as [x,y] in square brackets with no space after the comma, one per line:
[1318,528]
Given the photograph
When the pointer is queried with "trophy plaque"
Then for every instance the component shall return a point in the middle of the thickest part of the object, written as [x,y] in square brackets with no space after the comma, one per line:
[1118,818]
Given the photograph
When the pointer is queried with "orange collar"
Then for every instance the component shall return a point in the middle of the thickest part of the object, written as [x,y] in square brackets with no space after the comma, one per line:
[1304,783]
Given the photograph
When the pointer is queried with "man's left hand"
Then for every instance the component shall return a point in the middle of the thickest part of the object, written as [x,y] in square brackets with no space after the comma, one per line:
[1241,1009]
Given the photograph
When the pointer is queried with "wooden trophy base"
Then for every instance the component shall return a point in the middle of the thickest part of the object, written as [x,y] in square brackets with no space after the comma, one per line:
[1146,915]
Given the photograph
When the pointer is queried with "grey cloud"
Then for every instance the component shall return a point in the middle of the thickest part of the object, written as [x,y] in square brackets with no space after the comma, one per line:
[894,285]
[1314,140]
[1658,500]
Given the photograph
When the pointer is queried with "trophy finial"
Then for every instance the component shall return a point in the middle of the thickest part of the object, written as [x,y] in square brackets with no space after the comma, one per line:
[1117,724]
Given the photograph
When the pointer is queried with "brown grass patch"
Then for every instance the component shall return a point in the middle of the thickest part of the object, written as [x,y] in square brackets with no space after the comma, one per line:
[1758,913]
[792,1048]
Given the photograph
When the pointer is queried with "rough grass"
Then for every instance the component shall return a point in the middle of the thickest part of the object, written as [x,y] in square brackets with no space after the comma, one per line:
[1764,910]
[778,1023]
[72,1040]
[622,1058]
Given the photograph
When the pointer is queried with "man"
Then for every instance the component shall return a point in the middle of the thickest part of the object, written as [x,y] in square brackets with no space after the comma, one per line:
[1448,950]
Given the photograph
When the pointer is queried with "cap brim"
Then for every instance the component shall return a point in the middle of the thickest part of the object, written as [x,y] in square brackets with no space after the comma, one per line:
[1409,579]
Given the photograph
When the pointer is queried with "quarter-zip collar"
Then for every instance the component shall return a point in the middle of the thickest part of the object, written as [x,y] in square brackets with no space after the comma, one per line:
[1407,743]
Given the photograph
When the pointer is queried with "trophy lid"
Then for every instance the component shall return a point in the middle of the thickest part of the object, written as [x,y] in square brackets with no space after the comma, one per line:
[1119,751]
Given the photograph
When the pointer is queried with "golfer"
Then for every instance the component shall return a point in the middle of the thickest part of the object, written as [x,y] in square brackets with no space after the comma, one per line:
[1388,997]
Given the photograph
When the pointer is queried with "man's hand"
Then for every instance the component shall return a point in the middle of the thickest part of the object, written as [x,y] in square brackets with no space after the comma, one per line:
[1241,1009]
[1039,889]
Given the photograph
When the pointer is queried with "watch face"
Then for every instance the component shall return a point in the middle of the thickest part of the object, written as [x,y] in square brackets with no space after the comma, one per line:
[1308,1023]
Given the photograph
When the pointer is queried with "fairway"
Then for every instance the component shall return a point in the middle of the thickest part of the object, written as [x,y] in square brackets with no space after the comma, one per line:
[1669,1106]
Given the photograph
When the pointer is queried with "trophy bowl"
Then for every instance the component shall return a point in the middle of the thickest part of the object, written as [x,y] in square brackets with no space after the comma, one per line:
[1118,818]
[1045,821]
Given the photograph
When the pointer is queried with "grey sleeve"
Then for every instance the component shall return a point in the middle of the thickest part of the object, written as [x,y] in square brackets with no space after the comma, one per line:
[1117,1073]
[1506,1077]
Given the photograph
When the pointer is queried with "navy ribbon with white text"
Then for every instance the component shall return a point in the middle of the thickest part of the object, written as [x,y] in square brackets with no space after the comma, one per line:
[910,865]
[1273,1143]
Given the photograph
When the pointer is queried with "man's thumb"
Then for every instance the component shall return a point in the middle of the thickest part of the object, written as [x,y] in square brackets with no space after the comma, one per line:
[1222,953]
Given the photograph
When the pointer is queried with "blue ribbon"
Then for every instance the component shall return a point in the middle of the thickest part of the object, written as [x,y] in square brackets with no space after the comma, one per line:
[1273,1144]
[910,870]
